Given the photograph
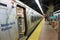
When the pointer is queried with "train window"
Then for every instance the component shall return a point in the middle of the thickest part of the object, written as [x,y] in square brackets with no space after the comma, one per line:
[33,18]
[20,20]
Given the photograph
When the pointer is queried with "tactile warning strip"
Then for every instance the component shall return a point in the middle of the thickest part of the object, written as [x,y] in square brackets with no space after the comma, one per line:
[35,35]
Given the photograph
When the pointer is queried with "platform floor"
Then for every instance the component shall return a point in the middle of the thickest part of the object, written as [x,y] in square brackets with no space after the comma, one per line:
[48,33]
[44,31]
[36,33]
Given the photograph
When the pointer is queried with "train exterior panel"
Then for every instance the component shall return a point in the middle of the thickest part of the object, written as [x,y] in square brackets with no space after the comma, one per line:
[32,20]
[8,22]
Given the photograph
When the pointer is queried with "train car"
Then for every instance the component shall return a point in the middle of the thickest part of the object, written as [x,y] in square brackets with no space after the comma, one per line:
[31,19]
[17,20]
[56,13]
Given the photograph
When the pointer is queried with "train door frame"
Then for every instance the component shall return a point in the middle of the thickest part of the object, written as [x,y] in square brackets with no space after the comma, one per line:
[25,18]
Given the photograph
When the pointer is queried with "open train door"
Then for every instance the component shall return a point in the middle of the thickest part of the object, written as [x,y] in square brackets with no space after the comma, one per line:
[22,22]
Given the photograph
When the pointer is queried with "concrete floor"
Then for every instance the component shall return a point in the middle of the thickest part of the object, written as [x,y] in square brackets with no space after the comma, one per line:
[48,33]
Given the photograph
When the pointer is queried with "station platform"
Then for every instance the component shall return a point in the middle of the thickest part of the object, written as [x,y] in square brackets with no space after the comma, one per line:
[44,31]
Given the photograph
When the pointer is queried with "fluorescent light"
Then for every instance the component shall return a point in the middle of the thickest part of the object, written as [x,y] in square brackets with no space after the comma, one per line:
[37,1]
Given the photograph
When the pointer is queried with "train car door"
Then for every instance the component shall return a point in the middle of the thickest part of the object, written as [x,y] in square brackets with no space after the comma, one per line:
[21,14]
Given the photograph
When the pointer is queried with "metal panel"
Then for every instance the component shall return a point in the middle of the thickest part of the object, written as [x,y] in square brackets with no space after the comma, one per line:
[3,34]
[8,22]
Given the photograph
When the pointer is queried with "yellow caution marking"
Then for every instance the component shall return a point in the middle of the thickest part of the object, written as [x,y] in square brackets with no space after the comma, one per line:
[35,35]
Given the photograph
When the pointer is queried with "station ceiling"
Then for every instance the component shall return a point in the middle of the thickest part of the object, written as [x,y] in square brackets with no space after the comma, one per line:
[44,3]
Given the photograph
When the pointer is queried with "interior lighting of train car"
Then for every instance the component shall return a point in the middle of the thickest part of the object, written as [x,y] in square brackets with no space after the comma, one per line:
[37,1]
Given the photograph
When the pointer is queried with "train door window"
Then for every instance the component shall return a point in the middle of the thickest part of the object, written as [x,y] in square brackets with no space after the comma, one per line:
[21,21]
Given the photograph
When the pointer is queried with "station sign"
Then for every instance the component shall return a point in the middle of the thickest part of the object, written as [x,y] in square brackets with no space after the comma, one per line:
[52,17]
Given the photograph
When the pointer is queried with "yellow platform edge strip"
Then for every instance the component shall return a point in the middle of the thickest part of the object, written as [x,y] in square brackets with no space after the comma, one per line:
[35,35]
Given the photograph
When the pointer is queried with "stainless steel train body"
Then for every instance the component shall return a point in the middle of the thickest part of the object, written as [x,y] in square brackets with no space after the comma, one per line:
[8,22]
[17,19]
[32,18]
